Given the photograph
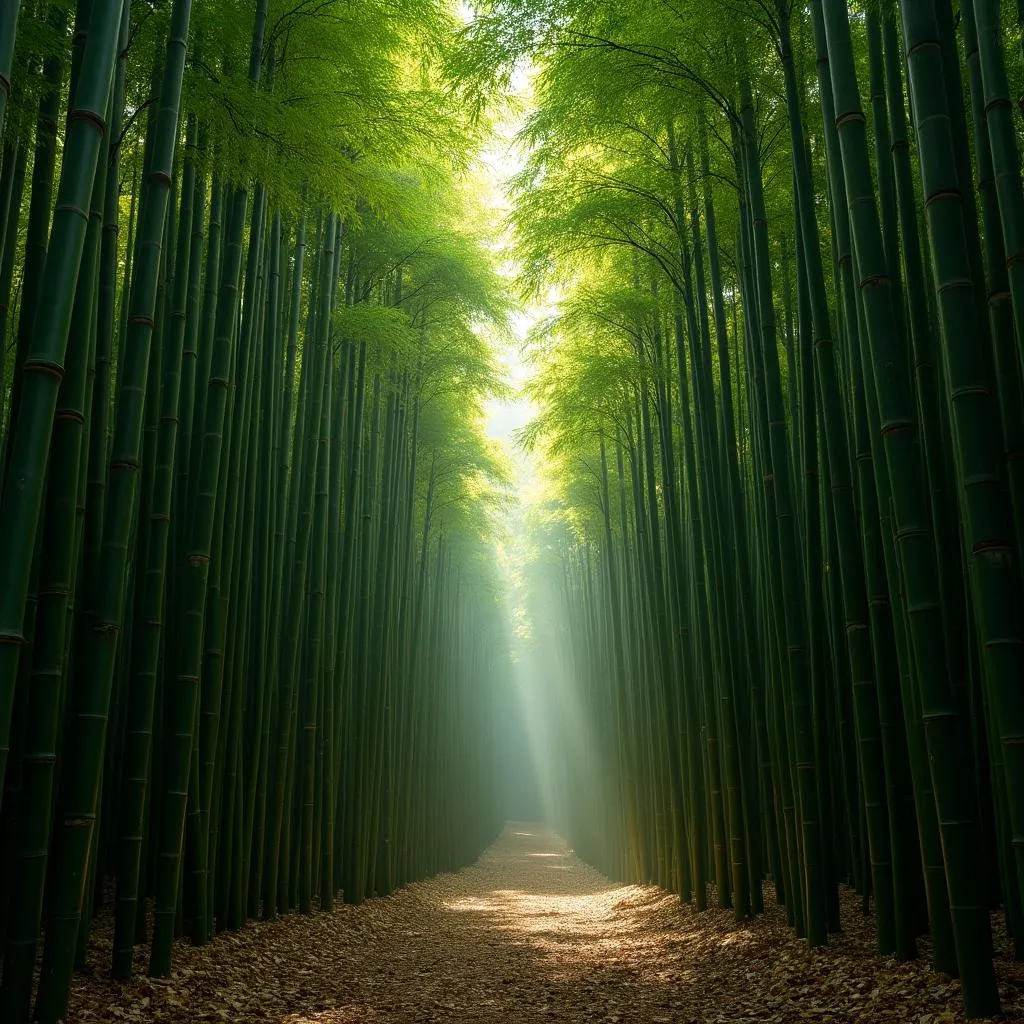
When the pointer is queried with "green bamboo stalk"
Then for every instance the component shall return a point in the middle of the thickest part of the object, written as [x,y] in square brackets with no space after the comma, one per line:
[8,32]
[87,733]
[147,634]
[48,679]
[799,681]
[42,372]
[18,165]
[995,579]
[909,491]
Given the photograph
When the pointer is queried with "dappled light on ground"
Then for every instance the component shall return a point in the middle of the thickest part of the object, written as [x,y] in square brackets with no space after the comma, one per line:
[576,921]
[527,934]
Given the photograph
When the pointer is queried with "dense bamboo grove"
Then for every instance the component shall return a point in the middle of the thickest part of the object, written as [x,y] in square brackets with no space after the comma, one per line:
[253,657]
[249,652]
[780,396]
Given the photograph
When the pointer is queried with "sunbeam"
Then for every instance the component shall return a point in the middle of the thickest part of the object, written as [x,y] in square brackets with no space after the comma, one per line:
[511,509]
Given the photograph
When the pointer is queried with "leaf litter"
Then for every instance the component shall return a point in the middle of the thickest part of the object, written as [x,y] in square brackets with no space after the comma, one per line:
[530,933]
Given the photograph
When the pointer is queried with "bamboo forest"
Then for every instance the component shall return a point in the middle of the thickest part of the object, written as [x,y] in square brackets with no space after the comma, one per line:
[511,510]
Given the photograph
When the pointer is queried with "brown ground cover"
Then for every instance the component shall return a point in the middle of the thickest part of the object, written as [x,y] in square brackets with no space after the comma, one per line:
[531,933]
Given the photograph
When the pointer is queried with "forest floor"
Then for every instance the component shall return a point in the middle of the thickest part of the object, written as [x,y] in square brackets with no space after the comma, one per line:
[528,934]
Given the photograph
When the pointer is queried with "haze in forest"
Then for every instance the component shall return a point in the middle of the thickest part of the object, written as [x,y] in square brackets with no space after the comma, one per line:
[420,417]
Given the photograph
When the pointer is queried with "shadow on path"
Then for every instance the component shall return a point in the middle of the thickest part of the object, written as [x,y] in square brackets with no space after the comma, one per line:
[531,933]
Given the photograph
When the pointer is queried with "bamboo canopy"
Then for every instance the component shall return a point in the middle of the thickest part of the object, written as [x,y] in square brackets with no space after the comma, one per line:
[260,642]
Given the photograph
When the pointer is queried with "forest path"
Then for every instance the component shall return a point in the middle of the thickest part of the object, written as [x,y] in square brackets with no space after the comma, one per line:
[530,933]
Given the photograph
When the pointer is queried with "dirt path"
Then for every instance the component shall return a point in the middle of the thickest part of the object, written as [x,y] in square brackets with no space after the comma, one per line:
[530,933]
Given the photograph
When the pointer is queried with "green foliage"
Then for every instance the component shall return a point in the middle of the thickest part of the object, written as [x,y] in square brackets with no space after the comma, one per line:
[283,569]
